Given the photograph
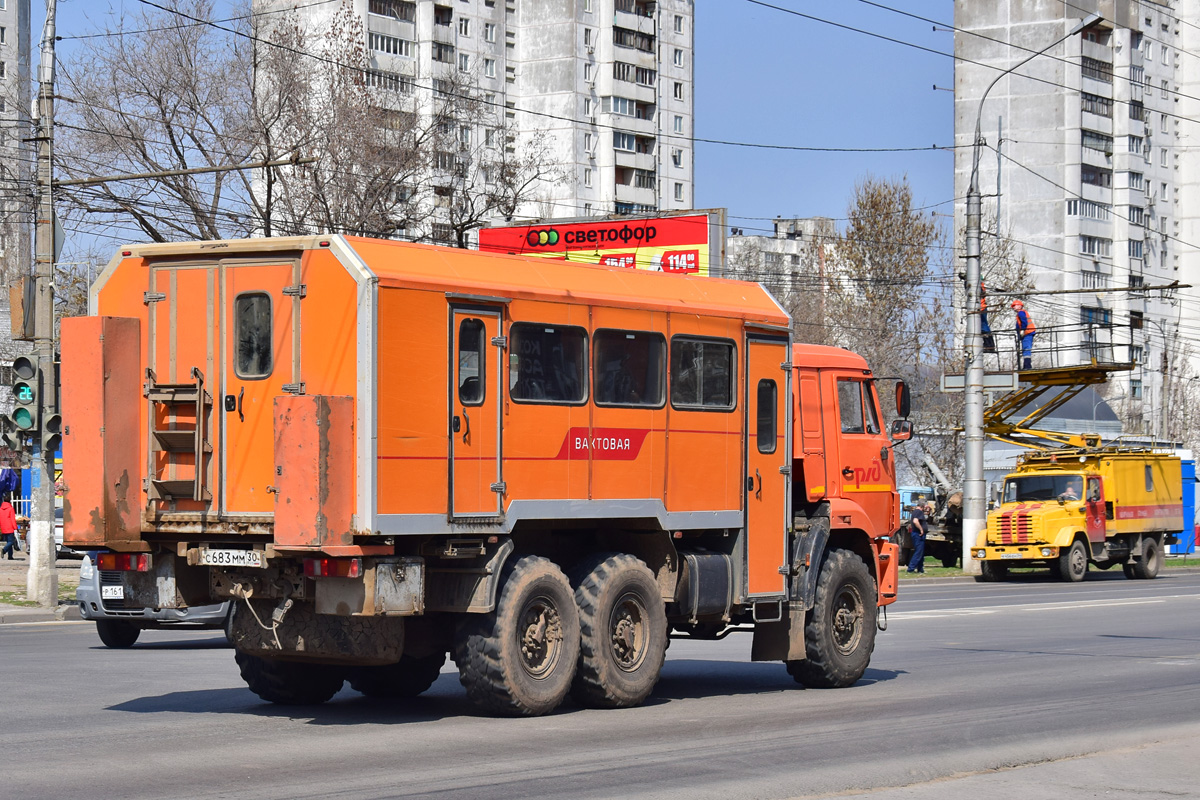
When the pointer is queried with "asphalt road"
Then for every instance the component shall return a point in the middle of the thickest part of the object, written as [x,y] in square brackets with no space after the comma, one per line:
[1031,689]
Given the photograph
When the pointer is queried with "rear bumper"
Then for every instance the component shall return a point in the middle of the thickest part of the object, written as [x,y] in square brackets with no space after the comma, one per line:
[1015,552]
[92,607]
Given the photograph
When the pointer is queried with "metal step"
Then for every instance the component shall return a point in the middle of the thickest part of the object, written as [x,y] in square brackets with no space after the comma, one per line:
[176,441]
[176,393]
[175,490]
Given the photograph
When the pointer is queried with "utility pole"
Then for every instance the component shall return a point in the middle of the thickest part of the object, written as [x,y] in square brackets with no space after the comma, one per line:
[974,486]
[42,580]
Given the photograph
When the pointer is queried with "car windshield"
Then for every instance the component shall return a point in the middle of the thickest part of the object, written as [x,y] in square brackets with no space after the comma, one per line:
[1043,487]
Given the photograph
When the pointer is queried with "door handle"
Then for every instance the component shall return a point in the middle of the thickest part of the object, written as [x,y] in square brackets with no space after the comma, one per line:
[241,394]
[758,494]
[847,473]
[467,432]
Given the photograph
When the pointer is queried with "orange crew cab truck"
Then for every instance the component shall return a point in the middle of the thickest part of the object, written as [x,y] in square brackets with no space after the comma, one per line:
[386,453]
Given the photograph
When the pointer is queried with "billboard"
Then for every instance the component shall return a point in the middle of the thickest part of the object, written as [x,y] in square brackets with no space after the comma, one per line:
[685,244]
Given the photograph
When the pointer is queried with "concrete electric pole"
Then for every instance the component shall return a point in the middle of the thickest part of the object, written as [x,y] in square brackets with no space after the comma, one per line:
[42,580]
[974,487]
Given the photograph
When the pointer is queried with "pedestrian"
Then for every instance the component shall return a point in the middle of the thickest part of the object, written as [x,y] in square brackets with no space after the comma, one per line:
[916,529]
[8,527]
[989,343]
[1025,331]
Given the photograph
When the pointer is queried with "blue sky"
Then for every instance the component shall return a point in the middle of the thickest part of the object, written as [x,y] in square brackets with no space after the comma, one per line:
[764,76]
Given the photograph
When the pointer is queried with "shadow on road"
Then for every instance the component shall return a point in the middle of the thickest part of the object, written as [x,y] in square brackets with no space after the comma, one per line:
[689,679]
[218,642]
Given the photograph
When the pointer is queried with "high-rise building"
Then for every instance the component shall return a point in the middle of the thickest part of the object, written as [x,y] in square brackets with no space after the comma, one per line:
[605,84]
[1084,173]
[16,155]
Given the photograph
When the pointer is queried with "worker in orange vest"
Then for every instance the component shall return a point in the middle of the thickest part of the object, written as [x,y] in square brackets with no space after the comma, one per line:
[1025,330]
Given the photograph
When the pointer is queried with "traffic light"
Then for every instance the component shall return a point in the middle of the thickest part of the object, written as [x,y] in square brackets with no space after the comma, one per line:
[51,434]
[27,394]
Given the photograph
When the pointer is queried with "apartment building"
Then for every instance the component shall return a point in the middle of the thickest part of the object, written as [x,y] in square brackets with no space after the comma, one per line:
[605,85]
[16,155]
[1088,181]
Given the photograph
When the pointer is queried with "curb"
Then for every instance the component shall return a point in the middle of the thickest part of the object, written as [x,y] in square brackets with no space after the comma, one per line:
[66,612]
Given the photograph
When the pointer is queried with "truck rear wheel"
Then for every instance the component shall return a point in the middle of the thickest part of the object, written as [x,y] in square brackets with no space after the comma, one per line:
[992,571]
[407,678]
[1151,560]
[519,659]
[289,683]
[623,633]
[117,632]
[839,634]
[1072,563]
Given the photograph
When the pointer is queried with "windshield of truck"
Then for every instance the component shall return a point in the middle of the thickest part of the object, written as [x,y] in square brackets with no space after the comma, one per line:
[1043,487]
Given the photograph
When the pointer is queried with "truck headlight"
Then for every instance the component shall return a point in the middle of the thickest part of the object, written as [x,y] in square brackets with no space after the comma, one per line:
[1046,551]
[981,553]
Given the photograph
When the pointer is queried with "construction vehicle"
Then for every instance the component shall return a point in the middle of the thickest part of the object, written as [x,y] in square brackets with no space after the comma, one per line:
[943,535]
[388,452]
[1072,507]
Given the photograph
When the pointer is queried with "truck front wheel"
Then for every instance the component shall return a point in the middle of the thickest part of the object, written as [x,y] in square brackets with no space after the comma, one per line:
[839,634]
[992,571]
[519,659]
[1073,563]
[623,633]
[117,632]
[289,683]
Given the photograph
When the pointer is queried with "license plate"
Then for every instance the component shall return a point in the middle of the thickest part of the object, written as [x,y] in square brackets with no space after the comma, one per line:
[1012,555]
[230,558]
[112,592]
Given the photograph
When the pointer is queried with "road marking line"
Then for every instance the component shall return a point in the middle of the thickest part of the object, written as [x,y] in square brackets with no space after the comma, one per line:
[962,612]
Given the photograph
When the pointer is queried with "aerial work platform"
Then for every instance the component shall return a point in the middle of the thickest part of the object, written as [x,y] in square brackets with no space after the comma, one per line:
[1061,384]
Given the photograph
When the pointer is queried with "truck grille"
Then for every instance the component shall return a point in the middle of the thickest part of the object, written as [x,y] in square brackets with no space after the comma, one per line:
[1014,527]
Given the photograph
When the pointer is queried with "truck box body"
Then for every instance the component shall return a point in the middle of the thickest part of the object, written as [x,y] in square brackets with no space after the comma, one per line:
[400,418]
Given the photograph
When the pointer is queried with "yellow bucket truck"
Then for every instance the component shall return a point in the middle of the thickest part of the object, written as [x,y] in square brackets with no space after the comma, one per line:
[1074,507]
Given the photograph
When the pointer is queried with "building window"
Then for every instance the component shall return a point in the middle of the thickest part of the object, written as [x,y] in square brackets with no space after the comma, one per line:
[1095,176]
[1095,104]
[442,15]
[623,37]
[489,32]
[489,67]
[1162,123]
[1162,156]
[624,141]
[1086,208]
[1095,316]
[587,176]
[464,62]
[587,209]
[3,70]
[1135,388]
[679,191]
[1135,144]
[678,23]
[392,45]
[388,81]
[676,157]
[587,106]
[1135,248]
[677,59]
[403,10]
[1097,70]
[587,37]
[1136,353]
[443,53]
[1097,141]
[643,179]
[1137,181]
[678,124]
[1095,246]
[678,90]
[1163,193]
[587,71]
[587,6]
[1136,319]
[1137,215]
[464,136]
[1149,50]
[587,142]
[464,26]
[1137,110]
[1166,54]
[3,35]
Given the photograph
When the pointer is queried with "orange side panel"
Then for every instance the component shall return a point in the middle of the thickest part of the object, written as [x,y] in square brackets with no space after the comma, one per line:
[888,562]
[329,326]
[101,395]
[412,471]
[314,471]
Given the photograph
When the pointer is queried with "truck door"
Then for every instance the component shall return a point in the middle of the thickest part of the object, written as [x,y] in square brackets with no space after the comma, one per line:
[1094,514]
[768,449]
[476,481]
[262,360]
[866,472]
[811,431]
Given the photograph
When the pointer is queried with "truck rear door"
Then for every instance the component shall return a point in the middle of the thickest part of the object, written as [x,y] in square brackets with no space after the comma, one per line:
[768,411]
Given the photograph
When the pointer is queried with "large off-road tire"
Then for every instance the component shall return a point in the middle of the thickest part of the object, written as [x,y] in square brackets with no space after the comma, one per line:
[117,632]
[289,683]
[407,678]
[519,659]
[1151,561]
[622,633]
[1072,564]
[839,633]
[992,571]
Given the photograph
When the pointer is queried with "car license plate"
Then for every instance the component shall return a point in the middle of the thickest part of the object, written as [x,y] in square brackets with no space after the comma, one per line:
[112,592]
[210,557]
[1012,555]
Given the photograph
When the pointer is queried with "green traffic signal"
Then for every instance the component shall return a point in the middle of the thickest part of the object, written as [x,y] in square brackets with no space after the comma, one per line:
[26,391]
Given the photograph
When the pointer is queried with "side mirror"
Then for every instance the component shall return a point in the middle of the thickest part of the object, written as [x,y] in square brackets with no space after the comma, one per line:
[902,430]
[903,399]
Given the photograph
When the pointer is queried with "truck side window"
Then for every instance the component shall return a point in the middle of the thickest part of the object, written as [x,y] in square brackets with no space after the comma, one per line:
[850,406]
[547,364]
[1149,478]
[871,405]
[767,414]
[629,368]
[471,358]
[252,335]
[1093,491]
[703,374]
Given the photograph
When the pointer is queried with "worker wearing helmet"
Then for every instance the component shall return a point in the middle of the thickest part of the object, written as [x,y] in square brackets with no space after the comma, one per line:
[1025,331]
[989,344]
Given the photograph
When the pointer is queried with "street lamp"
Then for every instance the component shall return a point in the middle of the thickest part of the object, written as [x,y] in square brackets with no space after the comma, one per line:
[974,488]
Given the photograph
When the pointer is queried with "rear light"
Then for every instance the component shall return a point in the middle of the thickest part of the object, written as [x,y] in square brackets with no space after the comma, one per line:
[333,567]
[123,562]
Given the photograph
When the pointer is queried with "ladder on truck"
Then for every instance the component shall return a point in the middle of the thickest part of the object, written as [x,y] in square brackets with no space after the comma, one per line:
[178,433]
[1010,418]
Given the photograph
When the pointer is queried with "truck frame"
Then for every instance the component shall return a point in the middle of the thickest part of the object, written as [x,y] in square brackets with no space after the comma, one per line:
[387,453]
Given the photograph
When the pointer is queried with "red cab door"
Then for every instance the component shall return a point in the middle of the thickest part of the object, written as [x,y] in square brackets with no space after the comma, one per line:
[865,469]
[1094,512]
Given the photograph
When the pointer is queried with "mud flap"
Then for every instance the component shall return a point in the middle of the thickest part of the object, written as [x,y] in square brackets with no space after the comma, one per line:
[782,640]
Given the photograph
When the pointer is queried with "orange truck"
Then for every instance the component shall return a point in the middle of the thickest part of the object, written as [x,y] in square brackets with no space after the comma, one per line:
[387,453]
